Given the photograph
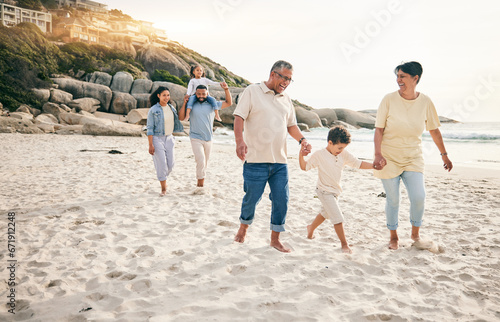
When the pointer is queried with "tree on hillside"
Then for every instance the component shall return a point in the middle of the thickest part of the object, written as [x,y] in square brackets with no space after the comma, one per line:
[30,4]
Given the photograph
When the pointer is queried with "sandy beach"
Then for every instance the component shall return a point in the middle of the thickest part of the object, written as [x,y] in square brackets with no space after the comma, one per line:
[95,242]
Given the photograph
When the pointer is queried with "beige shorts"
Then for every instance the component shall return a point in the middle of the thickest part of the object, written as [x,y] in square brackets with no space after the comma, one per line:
[330,206]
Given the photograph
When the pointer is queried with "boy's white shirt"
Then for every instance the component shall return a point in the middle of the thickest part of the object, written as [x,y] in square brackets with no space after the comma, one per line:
[330,168]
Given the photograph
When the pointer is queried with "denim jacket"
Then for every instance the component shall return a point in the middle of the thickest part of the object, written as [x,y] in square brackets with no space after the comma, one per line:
[156,121]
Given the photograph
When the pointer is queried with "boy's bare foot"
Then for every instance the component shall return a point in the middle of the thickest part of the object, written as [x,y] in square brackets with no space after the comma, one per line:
[279,246]
[346,249]
[394,244]
[240,235]
[310,233]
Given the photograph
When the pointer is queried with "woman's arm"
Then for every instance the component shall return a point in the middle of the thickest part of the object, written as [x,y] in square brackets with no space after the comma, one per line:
[379,162]
[438,140]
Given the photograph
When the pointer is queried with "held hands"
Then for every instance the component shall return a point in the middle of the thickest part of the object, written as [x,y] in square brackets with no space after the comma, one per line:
[379,163]
[305,148]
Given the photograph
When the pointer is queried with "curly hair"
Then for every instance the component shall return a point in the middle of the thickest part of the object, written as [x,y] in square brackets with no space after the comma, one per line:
[339,134]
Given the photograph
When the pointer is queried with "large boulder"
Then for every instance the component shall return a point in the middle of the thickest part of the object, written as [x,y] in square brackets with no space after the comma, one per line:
[122,82]
[309,118]
[100,78]
[355,118]
[111,128]
[22,116]
[141,86]
[142,100]
[81,89]
[138,116]
[28,109]
[42,94]
[87,104]
[328,114]
[52,108]
[122,103]
[59,96]
[153,57]
[46,118]
[74,118]
[70,129]
[110,116]
[13,125]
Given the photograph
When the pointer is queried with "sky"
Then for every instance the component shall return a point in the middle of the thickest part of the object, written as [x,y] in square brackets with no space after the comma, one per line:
[344,52]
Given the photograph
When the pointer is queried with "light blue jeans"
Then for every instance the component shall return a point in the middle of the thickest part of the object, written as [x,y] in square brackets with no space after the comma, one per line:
[414,182]
[256,176]
[164,155]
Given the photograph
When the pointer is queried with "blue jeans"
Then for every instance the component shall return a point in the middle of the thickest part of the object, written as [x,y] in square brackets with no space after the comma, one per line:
[255,176]
[414,182]
[192,100]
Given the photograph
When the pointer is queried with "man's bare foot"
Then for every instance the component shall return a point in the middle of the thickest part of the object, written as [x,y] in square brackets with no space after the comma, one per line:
[346,249]
[394,244]
[310,232]
[240,235]
[279,246]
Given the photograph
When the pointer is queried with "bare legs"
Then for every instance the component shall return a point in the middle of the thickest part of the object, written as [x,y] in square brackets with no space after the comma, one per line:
[339,229]
[275,238]
[394,241]
[200,182]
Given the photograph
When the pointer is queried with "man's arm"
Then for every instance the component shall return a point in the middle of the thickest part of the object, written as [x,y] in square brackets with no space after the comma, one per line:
[229,99]
[295,133]
[241,147]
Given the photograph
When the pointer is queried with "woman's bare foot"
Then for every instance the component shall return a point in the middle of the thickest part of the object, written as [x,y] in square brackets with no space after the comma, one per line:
[346,249]
[394,244]
[163,193]
[240,235]
[310,232]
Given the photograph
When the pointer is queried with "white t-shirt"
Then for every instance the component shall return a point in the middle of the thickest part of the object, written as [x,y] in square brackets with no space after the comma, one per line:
[267,118]
[330,168]
[195,82]
[169,120]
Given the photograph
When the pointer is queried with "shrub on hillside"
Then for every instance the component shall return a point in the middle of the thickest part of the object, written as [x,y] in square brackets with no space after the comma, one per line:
[165,76]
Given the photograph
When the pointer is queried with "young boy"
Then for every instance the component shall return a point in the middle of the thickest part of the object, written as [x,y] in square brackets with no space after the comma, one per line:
[330,163]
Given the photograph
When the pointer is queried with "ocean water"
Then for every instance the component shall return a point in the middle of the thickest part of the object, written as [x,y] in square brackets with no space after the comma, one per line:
[467,144]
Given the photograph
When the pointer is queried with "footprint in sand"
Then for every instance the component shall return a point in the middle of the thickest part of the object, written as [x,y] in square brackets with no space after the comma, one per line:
[429,245]
[140,286]
[145,250]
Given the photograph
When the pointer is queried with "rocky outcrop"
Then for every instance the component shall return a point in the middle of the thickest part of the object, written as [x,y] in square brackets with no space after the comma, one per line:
[309,118]
[22,116]
[122,82]
[42,94]
[60,97]
[142,100]
[87,104]
[100,78]
[141,86]
[13,125]
[138,116]
[28,109]
[327,114]
[153,57]
[122,103]
[53,108]
[355,118]
[80,89]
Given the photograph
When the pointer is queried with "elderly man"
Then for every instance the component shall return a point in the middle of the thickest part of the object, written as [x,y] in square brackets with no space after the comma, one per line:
[201,122]
[267,115]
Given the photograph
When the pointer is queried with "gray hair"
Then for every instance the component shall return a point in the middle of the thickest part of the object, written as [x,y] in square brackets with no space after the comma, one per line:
[281,64]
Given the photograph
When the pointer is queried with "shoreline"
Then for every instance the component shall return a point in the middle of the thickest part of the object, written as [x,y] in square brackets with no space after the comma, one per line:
[93,234]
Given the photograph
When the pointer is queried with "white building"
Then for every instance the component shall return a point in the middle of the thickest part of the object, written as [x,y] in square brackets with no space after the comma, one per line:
[11,15]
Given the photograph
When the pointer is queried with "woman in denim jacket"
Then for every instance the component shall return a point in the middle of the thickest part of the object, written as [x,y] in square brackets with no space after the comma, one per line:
[161,123]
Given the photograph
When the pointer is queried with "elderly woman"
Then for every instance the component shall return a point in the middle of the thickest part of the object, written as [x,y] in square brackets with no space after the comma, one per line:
[402,117]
